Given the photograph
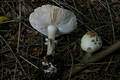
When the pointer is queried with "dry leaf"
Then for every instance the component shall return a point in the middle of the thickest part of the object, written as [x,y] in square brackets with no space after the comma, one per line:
[3,18]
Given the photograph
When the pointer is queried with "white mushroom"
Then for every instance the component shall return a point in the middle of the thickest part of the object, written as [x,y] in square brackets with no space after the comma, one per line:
[52,21]
[90,43]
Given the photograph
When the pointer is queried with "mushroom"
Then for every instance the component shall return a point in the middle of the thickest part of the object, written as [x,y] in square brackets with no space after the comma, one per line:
[90,43]
[52,21]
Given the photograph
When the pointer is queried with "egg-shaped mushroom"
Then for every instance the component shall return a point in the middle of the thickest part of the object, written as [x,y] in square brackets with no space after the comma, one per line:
[52,21]
[91,42]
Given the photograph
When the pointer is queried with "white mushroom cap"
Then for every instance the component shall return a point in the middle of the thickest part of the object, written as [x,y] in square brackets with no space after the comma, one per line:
[91,42]
[46,15]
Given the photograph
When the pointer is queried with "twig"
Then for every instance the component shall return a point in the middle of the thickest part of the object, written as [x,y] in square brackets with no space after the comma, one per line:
[74,4]
[111,21]
[98,56]
[71,66]
[98,63]
[29,62]
[18,44]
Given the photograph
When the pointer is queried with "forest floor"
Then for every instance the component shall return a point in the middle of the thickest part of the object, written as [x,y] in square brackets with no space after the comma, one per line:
[22,48]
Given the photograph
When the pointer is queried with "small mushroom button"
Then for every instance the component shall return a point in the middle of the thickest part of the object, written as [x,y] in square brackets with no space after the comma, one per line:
[91,42]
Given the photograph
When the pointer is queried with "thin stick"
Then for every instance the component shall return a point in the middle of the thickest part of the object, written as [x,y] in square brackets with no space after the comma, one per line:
[74,4]
[71,66]
[29,62]
[18,44]
[98,56]
[111,21]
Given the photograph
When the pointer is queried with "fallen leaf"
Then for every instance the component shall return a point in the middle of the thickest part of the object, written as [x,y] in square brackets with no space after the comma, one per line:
[3,18]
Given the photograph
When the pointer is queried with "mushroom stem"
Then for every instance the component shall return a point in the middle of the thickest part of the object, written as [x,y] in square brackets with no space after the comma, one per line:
[51,39]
